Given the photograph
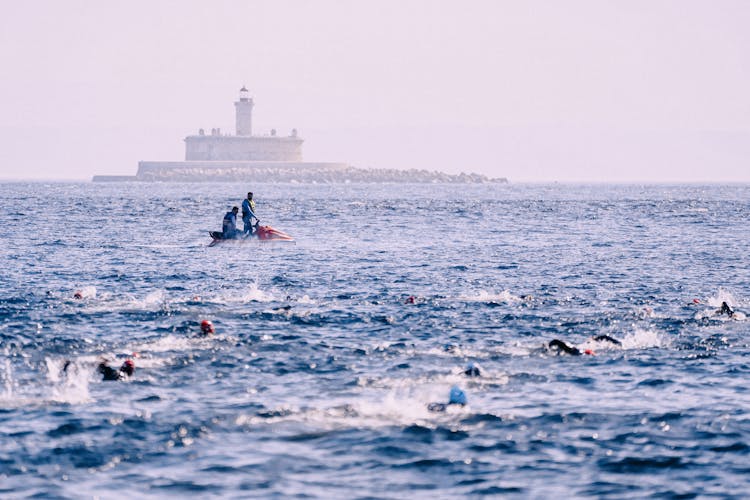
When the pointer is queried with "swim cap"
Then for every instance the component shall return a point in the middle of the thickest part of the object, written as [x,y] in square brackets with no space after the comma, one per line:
[128,367]
[207,327]
[457,396]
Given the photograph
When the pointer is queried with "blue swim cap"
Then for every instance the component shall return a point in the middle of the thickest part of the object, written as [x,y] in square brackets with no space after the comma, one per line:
[457,397]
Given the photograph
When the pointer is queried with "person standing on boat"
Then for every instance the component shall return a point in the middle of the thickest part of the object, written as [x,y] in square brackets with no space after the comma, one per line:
[229,225]
[248,213]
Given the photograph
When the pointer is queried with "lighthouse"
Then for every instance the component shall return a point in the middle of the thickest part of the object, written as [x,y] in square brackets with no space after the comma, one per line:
[244,113]
[244,156]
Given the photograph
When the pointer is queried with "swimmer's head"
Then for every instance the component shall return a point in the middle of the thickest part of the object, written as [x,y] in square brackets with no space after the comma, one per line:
[472,370]
[128,367]
[78,295]
[207,328]
[457,396]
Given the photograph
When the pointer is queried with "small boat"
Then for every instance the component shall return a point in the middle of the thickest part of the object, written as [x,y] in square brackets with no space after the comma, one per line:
[263,233]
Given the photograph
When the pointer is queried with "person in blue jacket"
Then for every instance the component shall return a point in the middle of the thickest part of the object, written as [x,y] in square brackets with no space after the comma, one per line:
[248,213]
[229,225]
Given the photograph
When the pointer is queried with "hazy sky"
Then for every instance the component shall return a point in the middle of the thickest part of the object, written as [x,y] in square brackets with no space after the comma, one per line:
[652,90]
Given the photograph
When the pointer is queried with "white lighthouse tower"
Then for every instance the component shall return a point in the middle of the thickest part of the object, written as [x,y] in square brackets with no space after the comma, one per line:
[244,112]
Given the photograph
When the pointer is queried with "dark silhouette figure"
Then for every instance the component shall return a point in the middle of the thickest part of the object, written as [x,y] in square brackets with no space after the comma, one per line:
[725,309]
[561,347]
[606,338]
[124,372]
[472,370]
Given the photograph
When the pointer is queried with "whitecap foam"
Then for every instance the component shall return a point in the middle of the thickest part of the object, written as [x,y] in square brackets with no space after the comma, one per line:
[155,298]
[57,386]
[455,376]
[7,379]
[722,295]
[643,339]
[171,342]
[251,294]
[484,296]
[69,385]
[109,302]
[401,406]
[640,338]
[305,300]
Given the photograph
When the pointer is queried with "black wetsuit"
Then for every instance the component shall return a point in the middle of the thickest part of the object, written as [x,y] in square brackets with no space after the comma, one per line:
[559,345]
[472,371]
[606,338]
[725,309]
[109,373]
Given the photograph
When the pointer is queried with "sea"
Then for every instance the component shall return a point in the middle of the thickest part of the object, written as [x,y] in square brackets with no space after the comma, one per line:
[329,351]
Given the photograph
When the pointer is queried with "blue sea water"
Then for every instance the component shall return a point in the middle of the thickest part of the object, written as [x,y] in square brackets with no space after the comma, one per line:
[317,381]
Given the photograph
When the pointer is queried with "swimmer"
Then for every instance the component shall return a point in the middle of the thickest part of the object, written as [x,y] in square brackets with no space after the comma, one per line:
[108,373]
[86,292]
[559,347]
[207,328]
[725,309]
[731,313]
[411,299]
[472,370]
[457,397]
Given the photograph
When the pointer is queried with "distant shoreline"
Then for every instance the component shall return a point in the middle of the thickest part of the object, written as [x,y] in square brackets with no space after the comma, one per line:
[87,180]
[287,172]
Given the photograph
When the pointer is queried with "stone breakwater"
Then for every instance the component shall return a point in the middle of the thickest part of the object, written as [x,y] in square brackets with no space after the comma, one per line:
[321,173]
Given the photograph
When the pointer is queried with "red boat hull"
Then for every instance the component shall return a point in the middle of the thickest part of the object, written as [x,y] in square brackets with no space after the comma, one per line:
[263,233]
[266,233]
